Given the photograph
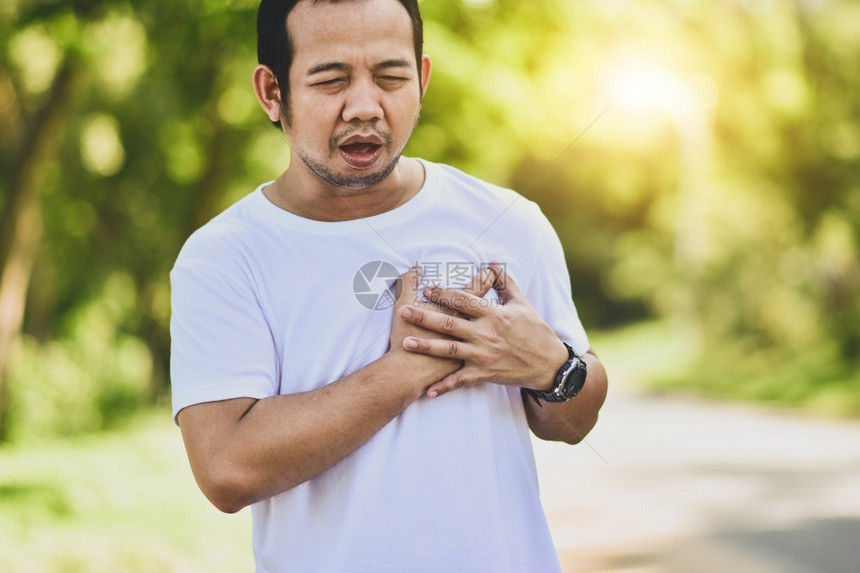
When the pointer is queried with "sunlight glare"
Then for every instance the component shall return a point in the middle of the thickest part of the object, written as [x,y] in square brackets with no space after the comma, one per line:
[636,85]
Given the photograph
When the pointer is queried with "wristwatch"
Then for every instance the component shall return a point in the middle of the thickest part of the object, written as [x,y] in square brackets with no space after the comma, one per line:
[568,382]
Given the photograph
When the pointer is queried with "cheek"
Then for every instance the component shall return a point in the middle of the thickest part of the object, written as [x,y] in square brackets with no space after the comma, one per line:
[314,119]
[316,107]
[406,113]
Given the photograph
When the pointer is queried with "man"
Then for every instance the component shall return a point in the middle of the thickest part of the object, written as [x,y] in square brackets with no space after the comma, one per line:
[365,436]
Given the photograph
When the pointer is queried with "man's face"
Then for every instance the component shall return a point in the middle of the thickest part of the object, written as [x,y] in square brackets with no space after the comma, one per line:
[354,89]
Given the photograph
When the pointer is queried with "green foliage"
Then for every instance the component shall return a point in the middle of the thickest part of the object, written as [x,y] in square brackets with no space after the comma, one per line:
[778,300]
[163,131]
[816,379]
[123,500]
[93,377]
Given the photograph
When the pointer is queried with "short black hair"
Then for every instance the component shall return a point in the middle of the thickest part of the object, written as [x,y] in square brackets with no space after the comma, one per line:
[275,47]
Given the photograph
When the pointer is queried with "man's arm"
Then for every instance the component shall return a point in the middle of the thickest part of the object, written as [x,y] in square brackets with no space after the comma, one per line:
[570,421]
[244,450]
[510,344]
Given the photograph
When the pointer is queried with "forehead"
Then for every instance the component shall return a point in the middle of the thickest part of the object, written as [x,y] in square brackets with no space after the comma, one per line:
[349,30]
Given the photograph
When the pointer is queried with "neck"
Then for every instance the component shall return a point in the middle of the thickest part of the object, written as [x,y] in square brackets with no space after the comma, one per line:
[303,193]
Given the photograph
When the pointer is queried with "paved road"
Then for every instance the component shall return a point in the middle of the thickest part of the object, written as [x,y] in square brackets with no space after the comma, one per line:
[669,485]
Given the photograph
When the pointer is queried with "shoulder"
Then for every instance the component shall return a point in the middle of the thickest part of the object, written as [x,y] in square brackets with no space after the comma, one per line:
[470,192]
[226,238]
[470,186]
[503,210]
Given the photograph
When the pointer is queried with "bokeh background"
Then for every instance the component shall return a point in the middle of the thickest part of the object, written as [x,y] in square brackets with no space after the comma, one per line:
[700,161]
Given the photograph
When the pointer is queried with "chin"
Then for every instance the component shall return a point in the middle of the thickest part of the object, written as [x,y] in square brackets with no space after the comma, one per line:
[354,181]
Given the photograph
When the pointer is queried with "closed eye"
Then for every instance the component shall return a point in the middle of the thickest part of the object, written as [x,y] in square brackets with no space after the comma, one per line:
[332,82]
[392,80]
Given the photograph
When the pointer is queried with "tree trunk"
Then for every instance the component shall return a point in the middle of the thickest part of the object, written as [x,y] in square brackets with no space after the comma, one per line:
[21,220]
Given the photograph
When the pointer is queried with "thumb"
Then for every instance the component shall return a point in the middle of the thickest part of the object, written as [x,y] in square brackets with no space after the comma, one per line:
[407,285]
[505,285]
[481,283]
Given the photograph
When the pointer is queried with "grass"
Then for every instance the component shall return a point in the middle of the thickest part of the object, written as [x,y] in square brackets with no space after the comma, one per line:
[637,355]
[665,357]
[118,501]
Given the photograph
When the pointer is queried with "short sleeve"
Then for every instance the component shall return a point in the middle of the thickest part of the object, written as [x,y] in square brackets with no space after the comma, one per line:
[221,344]
[549,289]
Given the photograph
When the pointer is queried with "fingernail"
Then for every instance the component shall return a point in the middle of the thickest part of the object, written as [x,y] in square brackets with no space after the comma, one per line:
[406,312]
[432,394]
[410,343]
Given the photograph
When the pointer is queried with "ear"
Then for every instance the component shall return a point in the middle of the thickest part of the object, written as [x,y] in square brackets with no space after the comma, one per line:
[426,67]
[268,92]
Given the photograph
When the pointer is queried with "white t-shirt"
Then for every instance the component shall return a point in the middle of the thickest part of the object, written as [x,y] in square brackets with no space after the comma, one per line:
[266,302]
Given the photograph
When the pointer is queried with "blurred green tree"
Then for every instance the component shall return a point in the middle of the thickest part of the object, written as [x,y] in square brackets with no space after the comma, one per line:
[126,125]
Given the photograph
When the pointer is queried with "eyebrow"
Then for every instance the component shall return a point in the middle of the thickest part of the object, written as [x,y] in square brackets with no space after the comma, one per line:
[341,67]
[391,64]
[327,67]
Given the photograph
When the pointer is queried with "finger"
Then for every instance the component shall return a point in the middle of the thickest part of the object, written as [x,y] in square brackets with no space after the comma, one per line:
[451,382]
[437,347]
[458,300]
[505,285]
[436,321]
[481,282]
[408,284]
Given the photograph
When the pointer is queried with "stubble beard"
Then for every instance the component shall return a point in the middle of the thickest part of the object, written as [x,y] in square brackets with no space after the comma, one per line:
[361,180]
[358,181]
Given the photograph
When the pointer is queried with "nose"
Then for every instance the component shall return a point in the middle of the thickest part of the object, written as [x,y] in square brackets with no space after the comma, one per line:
[362,102]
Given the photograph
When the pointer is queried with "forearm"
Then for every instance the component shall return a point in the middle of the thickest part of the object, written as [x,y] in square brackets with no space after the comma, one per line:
[265,447]
[570,421]
[244,450]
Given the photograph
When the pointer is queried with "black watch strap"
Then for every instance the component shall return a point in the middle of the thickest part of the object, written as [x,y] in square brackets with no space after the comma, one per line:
[568,381]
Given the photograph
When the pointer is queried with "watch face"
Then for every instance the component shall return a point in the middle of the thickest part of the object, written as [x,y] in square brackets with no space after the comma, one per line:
[575,379]
[569,380]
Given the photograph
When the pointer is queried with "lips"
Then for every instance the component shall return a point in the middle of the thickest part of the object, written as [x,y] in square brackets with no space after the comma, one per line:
[360,151]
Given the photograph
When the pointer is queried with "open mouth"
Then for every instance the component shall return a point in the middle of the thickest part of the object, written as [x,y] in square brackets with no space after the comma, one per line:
[360,148]
[360,154]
